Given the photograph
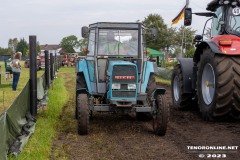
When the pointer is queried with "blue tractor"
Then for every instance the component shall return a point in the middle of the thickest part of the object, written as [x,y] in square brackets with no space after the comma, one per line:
[116,76]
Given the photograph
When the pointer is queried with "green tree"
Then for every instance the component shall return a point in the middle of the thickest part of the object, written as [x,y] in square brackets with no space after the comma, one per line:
[82,44]
[22,46]
[5,51]
[12,44]
[185,39]
[189,52]
[169,42]
[69,43]
[156,21]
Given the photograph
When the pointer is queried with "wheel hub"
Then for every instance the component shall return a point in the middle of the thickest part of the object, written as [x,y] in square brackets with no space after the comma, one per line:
[176,89]
[208,83]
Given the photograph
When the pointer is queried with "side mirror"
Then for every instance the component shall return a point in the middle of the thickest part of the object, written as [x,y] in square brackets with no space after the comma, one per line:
[198,37]
[187,16]
[154,33]
[85,32]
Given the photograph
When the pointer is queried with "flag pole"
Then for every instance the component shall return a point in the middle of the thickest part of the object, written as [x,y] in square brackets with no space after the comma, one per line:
[183,48]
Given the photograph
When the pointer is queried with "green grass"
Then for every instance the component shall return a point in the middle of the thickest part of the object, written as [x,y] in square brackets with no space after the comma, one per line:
[68,69]
[164,81]
[7,96]
[40,144]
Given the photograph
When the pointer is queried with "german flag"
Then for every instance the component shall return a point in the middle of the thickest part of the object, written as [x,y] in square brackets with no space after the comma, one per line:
[179,16]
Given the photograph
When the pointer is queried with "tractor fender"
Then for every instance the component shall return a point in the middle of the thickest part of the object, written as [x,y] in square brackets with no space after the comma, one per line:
[158,91]
[148,69]
[83,67]
[205,44]
[187,73]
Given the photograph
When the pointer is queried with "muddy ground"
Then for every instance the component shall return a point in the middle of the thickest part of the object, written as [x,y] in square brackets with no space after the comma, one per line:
[123,137]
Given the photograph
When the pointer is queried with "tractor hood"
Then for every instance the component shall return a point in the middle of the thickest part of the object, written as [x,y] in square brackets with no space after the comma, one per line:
[120,63]
[123,82]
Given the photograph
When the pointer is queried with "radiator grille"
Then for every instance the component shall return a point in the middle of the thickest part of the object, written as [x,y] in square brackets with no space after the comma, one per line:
[123,94]
[124,74]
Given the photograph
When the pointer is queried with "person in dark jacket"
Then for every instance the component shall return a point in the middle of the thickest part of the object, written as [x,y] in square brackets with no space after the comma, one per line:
[16,69]
[8,67]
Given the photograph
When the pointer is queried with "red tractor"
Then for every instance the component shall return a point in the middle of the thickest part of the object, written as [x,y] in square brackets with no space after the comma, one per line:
[69,59]
[211,79]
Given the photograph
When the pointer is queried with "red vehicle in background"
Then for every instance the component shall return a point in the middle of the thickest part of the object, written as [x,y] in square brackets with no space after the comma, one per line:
[69,59]
[27,63]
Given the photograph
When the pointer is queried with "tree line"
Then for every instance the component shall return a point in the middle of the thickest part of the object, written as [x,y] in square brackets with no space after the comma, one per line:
[170,40]
[15,45]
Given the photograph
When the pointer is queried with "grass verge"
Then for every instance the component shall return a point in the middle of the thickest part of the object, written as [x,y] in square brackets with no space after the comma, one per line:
[7,96]
[40,144]
[164,81]
[68,69]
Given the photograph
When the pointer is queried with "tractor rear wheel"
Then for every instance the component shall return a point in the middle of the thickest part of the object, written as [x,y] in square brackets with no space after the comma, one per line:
[161,115]
[218,85]
[83,114]
[180,100]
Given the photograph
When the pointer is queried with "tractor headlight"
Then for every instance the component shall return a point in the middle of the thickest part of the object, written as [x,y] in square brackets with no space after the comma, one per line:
[116,86]
[131,86]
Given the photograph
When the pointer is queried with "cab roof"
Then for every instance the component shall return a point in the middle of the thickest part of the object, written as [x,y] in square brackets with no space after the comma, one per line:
[128,25]
[214,4]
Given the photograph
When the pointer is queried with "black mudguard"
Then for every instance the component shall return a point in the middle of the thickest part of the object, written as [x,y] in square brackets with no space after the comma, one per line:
[187,72]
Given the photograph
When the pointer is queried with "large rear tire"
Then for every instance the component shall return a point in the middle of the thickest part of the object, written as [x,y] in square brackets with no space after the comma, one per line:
[83,114]
[179,98]
[161,116]
[219,85]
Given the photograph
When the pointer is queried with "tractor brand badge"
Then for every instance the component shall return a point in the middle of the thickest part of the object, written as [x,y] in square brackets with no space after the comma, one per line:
[236,11]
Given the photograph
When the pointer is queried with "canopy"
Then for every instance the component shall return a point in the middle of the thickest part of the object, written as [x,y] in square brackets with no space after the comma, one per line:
[155,53]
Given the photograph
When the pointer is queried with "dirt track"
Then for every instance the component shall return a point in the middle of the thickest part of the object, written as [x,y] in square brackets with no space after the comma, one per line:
[117,137]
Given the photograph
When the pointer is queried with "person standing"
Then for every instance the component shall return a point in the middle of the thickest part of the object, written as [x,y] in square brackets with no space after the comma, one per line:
[16,70]
[8,67]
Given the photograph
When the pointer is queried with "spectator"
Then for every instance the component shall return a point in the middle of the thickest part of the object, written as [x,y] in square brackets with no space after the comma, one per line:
[8,67]
[16,70]
[20,55]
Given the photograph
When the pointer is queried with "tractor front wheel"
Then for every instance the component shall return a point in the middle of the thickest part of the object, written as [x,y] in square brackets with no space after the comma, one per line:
[161,115]
[83,114]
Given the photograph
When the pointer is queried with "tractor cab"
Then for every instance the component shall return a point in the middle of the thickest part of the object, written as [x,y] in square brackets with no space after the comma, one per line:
[116,76]
[116,60]
[225,16]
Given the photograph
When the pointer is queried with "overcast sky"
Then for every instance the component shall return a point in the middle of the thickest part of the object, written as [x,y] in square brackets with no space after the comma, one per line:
[51,20]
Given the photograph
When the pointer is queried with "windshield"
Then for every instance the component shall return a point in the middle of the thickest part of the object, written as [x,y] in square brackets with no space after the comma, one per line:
[118,42]
[216,23]
[233,21]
